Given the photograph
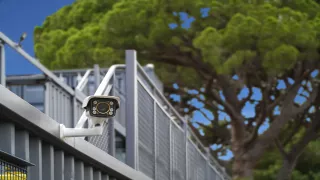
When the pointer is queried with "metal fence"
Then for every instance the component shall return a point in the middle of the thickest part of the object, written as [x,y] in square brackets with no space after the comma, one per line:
[164,147]
[61,102]
[159,142]
[32,136]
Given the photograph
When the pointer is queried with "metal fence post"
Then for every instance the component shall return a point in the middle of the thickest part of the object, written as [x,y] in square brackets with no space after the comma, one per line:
[2,65]
[131,109]
[112,137]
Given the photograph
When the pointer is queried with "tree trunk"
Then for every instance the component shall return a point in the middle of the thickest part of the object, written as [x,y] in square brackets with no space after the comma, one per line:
[242,168]
[243,164]
[286,170]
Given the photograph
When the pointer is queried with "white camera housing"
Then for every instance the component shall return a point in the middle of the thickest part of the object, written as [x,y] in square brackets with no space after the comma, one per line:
[100,108]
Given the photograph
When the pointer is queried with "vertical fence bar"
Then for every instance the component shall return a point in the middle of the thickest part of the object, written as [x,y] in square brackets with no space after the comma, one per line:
[79,170]
[208,169]
[48,162]
[111,129]
[97,175]
[59,165]
[36,158]
[7,139]
[2,65]
[69,170]
[22,144]
[170,150]
[185,126]
[131,109]
[104,177]
[88,173]
[155,135]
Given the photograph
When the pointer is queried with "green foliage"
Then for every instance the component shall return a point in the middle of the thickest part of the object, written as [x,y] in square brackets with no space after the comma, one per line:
[287,54]
[307,167]
[233,35]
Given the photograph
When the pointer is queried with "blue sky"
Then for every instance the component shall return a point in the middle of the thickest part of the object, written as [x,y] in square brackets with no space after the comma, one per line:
[18,16]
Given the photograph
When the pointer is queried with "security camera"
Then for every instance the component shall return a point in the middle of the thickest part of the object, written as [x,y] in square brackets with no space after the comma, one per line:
[100,108]
[97,109]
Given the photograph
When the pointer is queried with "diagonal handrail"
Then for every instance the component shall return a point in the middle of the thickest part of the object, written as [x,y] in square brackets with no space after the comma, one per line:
[84,80]
[36,63]
[102,90]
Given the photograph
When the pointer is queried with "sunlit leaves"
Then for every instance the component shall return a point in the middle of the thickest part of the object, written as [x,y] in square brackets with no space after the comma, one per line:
[280,59]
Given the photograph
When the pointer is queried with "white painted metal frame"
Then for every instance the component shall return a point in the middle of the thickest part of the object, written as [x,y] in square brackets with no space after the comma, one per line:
[84,80]
[35,62]
[2,65]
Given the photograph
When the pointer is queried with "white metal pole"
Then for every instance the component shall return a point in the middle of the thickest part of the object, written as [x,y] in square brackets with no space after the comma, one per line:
[2,65]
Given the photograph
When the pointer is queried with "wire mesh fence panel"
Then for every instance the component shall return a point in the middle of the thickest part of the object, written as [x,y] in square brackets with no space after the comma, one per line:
[163,144]
[219,170]
[213,174]
[178,153]
[144,80]
[201,165]
[121,112]
[197,163]
[10,171]
[192,158]
[102,141]
[146,132]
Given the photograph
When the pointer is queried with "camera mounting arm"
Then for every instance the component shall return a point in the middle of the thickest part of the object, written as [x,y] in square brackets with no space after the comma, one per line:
[80,132]
[98,110]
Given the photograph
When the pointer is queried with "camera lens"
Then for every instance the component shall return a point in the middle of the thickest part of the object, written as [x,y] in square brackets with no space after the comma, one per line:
[103,107]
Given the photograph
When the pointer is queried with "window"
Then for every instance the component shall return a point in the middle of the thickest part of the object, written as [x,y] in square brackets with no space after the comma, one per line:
[120,147]
[34,93]
[17,89]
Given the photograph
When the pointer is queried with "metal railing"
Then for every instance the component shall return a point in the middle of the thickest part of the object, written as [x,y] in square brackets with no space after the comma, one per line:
[160,142]
[32,136]
[60,99]
[84,80]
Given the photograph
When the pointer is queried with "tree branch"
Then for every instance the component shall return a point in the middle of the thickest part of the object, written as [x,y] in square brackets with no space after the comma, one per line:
[281,148]
[243,101]
[287,113]
[291,90]
[294,131]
